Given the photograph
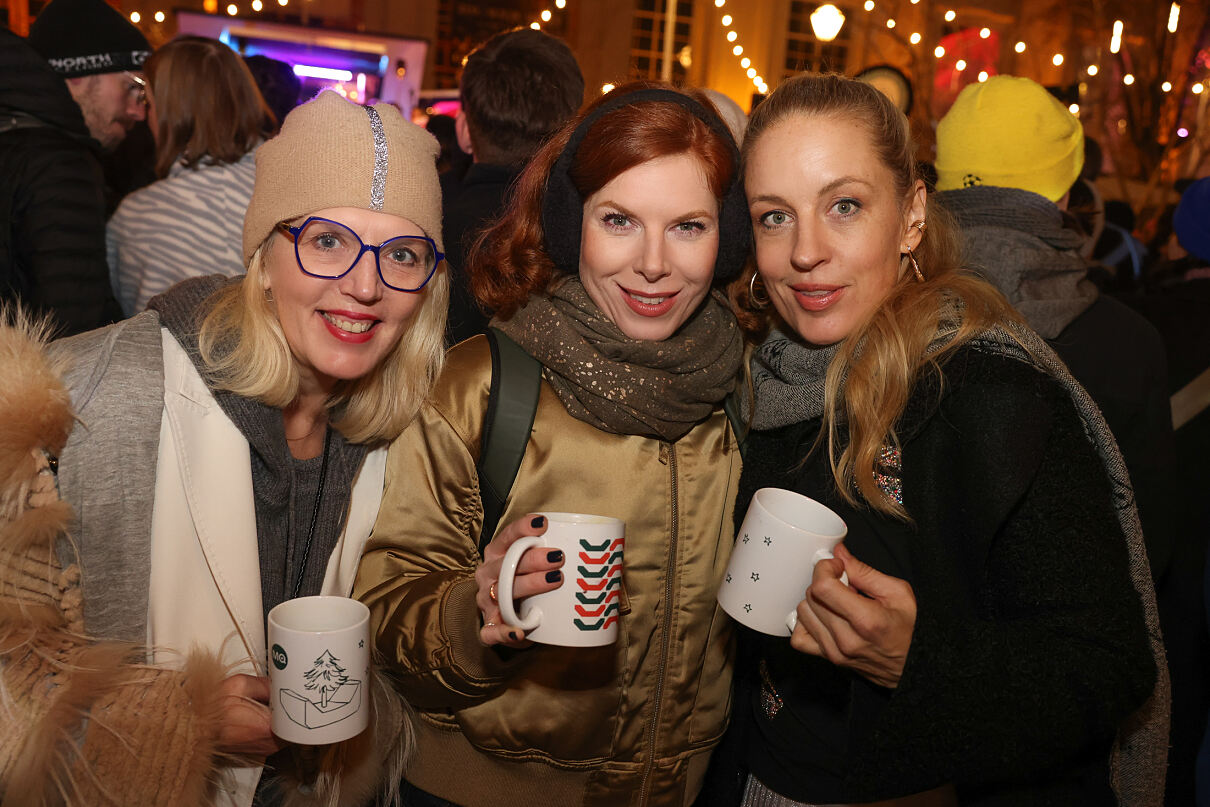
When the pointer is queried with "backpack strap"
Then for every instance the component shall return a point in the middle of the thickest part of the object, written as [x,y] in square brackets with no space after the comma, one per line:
[511,405]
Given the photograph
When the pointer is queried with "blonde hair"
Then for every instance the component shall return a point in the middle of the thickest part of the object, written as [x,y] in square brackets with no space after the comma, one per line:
[246,353]
[871,378]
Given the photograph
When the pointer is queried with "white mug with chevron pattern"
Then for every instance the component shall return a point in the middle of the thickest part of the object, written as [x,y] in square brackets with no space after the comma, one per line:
[783,536]
[584,610]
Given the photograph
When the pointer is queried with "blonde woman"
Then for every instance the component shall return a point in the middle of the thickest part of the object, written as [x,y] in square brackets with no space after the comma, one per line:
[993,634]
[231,452]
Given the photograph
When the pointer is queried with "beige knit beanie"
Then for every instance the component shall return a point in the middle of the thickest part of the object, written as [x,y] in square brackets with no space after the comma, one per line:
[334,153]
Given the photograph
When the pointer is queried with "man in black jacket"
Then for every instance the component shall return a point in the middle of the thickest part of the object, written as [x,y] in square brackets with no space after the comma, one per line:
[516,90]
[74,89]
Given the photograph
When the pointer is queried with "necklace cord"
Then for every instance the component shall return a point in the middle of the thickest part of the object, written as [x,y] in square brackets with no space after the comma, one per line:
[319,494]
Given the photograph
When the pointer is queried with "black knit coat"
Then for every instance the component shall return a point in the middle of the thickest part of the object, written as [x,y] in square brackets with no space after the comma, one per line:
[1029,645]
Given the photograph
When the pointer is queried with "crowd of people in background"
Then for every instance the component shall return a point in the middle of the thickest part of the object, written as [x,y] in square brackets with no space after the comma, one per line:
[252,341]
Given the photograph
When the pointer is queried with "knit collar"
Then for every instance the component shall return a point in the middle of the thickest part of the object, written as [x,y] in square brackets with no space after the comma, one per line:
[623,385]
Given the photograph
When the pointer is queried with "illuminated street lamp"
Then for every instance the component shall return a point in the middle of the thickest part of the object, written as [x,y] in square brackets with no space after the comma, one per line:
[826,22]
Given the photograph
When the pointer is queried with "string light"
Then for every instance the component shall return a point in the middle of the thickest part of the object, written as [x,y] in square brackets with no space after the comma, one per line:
[159,15]
[1115,41]
[1174,15]
[1197,88]
[232,10]
[726,20]
[938,51]
[257,5]
[1092,69]
[1019,47]
[890,23]
[282,2]
[960,65]
[732,36]
[914,39]
[1166,86]
[1128,79]
[1074,109]
[751,72]
[135,17]
[738,50]
[950,15]
[545,15]
[869,5]
[560,4]
[606,88]
[1057,60]
[745,62]
[719,3]
[982,76]
[1182,132]
[984,33]
[536,26]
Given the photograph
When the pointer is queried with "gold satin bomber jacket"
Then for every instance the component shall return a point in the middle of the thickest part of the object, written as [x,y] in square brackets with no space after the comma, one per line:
[628,724]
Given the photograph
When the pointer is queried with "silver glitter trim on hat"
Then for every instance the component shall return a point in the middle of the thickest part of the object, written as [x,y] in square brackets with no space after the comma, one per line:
[379,184]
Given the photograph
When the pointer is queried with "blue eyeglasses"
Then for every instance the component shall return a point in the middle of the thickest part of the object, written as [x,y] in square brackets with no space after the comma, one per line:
[328,249]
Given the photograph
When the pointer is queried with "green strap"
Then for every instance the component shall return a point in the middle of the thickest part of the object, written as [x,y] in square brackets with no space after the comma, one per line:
[512,403]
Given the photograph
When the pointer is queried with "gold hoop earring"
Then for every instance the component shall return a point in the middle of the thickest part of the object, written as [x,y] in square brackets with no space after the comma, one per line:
[755,301]
[915,266]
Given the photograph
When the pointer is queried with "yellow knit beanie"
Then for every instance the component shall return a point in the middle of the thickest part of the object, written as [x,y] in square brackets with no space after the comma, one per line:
[1011,133]
[334,153]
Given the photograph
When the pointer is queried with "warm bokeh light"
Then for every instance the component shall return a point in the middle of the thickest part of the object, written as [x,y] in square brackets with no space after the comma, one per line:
[159,15]
[1166,86]
[545,15]
[738,50]
[232,9]
[257,5]
[606,88]
[1174,16]
[1197,88]
[890,23]
[135,17]
[1057,60]
[1115,41]
[960,65]
[938,51]
[1092,70]
[732,36]
[1182,132]
[719,3]
[914,39]
[984,33]
[560,4]
[282,2]
[1074,109]
[1019,47]
[726,21]
[745,62]
[751,72]
[826,22]
[1128,79]
[982,76]
[869,5]
[950,15]
[536,26]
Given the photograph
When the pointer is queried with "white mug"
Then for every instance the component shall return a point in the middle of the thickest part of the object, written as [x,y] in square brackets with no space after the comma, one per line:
[584,610]
[783,536]
[319,669]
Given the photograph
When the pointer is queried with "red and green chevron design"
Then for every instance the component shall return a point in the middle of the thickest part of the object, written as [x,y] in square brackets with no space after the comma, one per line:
[599,578]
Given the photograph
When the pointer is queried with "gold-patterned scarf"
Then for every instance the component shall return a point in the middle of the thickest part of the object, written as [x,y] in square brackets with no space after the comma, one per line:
[623,385]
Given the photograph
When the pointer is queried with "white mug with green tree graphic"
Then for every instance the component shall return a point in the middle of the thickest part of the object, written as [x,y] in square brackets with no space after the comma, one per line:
[584,610]
[783,536]
[319,669]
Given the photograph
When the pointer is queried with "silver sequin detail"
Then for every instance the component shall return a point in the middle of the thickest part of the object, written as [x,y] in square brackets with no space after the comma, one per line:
[379,184]
[770,700]
[888,473]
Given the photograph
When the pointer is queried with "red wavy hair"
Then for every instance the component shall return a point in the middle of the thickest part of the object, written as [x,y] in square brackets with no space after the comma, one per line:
[508,263]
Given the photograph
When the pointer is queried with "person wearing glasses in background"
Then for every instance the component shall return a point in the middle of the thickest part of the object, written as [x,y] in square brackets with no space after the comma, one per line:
[207,117]
[230,452]
[69,93]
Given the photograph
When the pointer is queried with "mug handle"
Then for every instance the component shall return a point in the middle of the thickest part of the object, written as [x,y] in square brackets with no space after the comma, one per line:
[823,554]
[504,593]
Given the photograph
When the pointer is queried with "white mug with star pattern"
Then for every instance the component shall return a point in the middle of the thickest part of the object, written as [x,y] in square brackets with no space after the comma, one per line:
[783,536]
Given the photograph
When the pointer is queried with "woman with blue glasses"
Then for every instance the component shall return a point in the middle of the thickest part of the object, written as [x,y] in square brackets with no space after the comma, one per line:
[231,447]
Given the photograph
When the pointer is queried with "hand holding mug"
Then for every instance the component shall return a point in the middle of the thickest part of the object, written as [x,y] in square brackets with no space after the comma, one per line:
[537,572]
[244,728]
[865,626]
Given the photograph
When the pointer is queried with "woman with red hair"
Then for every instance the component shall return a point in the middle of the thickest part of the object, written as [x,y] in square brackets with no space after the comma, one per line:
[605,269]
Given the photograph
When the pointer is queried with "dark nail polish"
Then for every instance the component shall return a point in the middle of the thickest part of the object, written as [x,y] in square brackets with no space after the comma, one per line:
[554,556]
[538,521]
[512,634]
[554,576]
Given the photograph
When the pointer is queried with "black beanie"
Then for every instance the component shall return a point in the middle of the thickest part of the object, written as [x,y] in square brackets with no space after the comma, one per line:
[83,37]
